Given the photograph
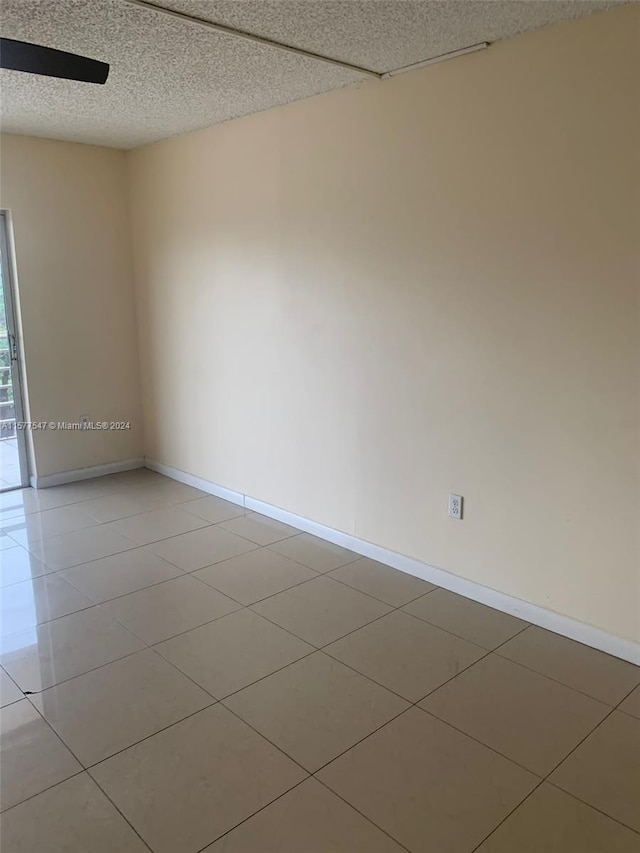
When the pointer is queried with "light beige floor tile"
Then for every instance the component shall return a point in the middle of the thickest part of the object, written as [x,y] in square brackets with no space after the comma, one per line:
[599,675]
[170,491]
[427,785]
[200,548]
[21,502]
[21,536]
[315,553]
[32,756]
[604,771]
[320,610]
[17,564]
[71,549]
[232,652]
[122,505]
[58,650]
[213,509]
[17,503]
[5,540]
[69,493]
[405,654]
[166,609]
[481,625]
[115,706]
[13,501]
[256,575]
[38,500]
[260,529]
[308,819]
[73,817]
[158,524]
[110,577]
[9,691]
[137,477]
[51,522]
[30,603]
[315,709]
[382,582]
[528,718]
[184,787]
[83,490]
[550,821]
[631,704]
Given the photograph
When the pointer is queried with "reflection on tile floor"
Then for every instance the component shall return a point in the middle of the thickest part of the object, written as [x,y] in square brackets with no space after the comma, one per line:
[182,676]
[10,476]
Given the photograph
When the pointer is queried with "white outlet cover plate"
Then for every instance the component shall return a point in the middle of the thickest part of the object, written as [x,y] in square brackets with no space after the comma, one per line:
[455,506]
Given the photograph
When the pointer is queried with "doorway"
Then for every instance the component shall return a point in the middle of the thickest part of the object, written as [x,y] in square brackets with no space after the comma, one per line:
[14,469]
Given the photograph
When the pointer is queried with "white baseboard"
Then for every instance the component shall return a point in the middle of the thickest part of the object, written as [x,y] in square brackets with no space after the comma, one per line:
[556,622]
[62,477]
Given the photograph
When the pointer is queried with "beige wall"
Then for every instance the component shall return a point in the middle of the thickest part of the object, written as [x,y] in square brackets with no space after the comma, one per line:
[423,285]
[68,205]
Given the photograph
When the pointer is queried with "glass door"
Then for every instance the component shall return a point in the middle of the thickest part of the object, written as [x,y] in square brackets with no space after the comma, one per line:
[14,472]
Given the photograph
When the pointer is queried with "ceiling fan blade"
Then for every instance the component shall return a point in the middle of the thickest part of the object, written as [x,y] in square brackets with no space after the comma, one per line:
[35,59]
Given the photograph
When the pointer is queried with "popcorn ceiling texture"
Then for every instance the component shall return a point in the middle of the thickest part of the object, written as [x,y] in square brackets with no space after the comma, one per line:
[384,34]
[169,76]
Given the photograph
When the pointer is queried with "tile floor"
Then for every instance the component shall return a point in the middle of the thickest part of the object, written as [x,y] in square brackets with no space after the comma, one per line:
[9,464]
[180,675]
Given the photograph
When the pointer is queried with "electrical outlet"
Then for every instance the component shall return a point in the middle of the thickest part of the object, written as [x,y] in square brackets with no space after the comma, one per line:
[84,421]
[455,506]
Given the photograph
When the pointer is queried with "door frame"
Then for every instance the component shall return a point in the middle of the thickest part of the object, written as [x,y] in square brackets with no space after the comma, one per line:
[15,347]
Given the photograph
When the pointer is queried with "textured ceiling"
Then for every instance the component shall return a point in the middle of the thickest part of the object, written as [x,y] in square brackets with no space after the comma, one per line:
[384,34]
[169,76]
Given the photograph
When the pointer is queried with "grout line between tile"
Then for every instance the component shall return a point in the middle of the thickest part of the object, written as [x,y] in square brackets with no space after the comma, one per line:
[264,737]
[124,594]
[319,571]
[164,506]
[591,806]
[64,680]
[562,683]
[95,604]
[90,767]
[135,545]
[127,550]
[121,813]
[330,575]
[87,767]
[507,816]
[78,773]
[66,746]
[311,774]
[48,788]
[481,743]
[169,505]
[626,713]
[251,683]
[624,699]
[259,600]
[149,645]
[550,782]
[297,636]
[261,809]
[318,574]
[362,814]
[487,653]
[597,726]
[493,749]
[180,633]
[459,636]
